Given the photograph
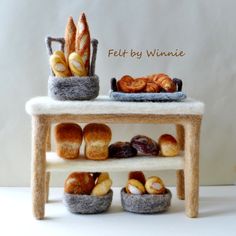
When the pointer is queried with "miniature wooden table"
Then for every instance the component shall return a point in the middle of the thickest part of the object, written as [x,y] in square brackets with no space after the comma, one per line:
[186,116]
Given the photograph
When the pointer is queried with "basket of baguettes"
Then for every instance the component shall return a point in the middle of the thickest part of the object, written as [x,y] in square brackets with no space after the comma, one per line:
[72,70]
[155,87]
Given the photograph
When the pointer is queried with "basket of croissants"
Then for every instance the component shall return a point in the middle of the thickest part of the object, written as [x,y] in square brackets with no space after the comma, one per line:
[72,70]
[155,87]
[145,196]
[88,193]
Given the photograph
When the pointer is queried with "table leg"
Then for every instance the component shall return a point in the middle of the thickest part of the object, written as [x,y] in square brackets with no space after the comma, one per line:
[38,168]
[48,174]
[191,170]
[180,173]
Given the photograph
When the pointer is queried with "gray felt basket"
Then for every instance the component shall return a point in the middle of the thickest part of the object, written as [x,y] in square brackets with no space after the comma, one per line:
[145,203]
[87,204]
[73,87]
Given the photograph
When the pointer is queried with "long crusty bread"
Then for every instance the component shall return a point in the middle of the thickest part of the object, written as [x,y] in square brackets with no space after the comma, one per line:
[82,41]
[70,34]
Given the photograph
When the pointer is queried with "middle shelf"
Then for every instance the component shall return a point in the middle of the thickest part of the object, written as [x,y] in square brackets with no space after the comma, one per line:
[55,163]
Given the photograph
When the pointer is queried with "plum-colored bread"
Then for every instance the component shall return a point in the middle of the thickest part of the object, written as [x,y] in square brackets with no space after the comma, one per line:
[168,145]
[69,137]
[138,175]
[97,138]
[79,183]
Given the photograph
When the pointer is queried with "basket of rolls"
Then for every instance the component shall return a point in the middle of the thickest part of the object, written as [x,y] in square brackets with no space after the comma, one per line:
[145,196]
[72,72]
[88,193]
[157,87]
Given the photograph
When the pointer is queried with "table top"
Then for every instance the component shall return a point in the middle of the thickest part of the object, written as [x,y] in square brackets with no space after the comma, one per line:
[104,105]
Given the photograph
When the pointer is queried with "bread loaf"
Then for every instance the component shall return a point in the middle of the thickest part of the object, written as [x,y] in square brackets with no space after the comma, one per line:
[82,41]
[68,138]
[168,145]
[97,138]
[70,33]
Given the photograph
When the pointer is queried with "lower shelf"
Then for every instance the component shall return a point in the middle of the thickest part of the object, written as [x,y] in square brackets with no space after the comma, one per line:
[55,163]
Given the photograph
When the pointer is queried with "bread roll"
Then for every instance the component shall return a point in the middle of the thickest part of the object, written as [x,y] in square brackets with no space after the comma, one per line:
[154,185]
[138,175]
[68,138]
[97,138]
[133,186]
[70,33]
[82,41]
[102,188]
[168,145]
[79,183]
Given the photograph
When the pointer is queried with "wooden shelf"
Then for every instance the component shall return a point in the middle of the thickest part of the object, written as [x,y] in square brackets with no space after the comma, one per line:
[55,163]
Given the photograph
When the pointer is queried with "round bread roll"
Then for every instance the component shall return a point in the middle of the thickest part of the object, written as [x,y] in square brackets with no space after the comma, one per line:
[79,183]
[133,186]
[138,175]
[97,138]
[68,138]
[154,185]
[102,188]
[168,145]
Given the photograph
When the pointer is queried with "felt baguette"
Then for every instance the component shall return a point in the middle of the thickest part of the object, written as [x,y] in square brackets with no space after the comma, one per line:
[76,65]
[60,54]
[82,41]
[59,66]
[102,188]
[70,33]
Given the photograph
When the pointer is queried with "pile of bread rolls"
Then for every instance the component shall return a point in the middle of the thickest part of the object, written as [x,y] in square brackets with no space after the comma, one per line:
[69,137]
[95,184]
[149,84]
[166,146]
[76,58]
[137,184]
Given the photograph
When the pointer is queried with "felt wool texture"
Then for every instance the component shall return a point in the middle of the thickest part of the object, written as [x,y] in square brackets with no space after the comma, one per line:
[87,204]
[159,97]
[145,203]
[104,105]
[73,88]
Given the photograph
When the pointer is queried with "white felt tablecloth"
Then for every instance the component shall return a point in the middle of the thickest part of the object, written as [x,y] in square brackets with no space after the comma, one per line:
[104,105]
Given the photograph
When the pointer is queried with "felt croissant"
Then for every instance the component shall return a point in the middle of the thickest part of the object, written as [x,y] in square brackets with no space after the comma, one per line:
[82,41]
[164,81]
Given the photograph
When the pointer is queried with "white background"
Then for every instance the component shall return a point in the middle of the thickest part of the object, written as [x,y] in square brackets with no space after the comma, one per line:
[204,29]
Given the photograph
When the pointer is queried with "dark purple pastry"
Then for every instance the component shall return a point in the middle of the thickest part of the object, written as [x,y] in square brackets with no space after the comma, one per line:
[145,145]
[122,150]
